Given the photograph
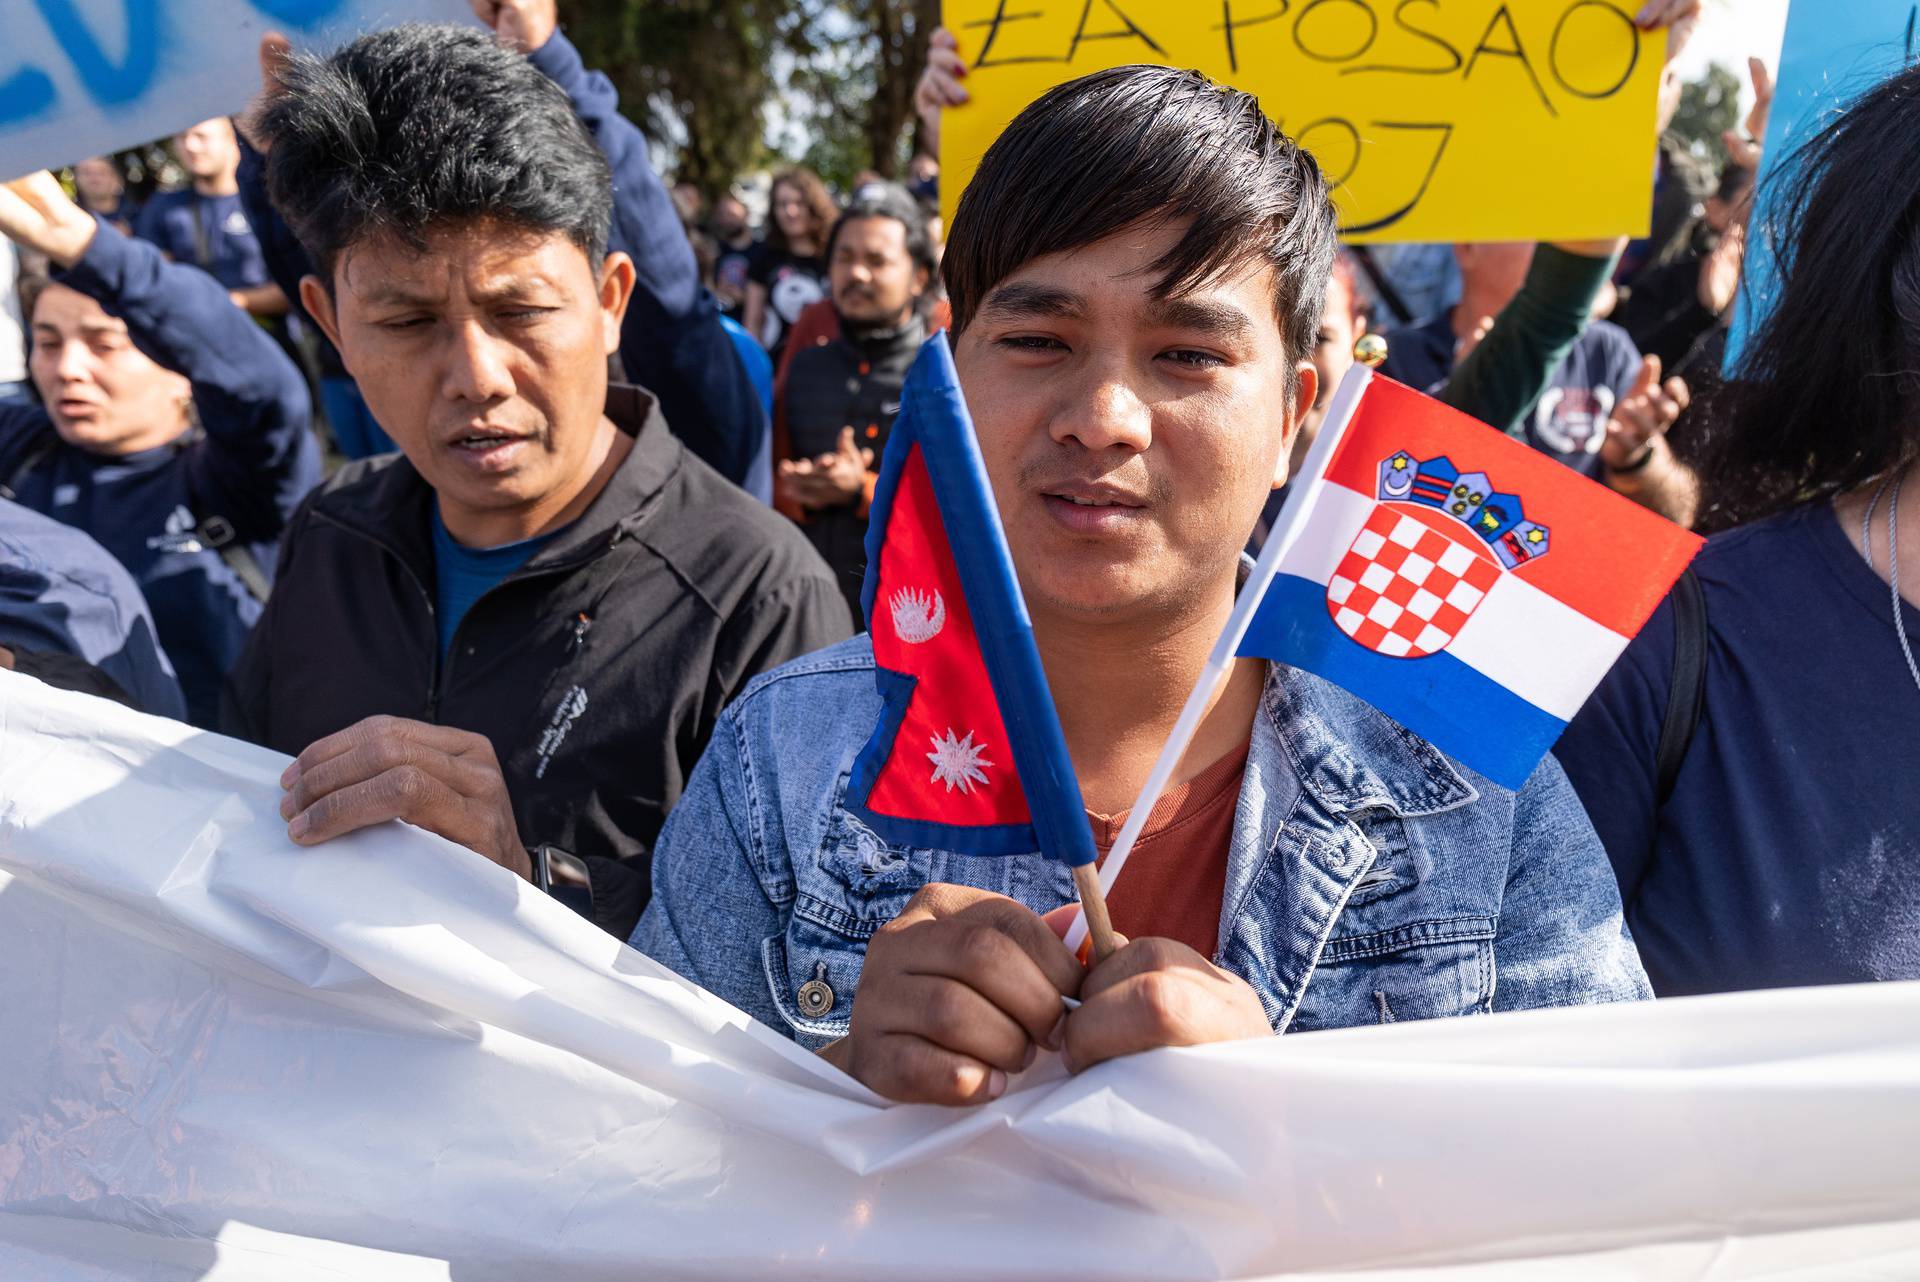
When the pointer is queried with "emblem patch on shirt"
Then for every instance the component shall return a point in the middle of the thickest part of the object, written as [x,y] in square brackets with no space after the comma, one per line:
[179,534]
[1437,542]
[565,713]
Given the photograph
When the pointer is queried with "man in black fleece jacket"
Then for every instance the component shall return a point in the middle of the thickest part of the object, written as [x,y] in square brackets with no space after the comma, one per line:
[518,633]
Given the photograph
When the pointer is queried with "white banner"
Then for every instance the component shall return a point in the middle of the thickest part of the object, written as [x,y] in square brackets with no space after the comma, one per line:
[82,77]
[222,1056]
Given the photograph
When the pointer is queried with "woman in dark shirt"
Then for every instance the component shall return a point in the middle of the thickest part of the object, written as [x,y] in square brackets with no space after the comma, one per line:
[1787,851]
[787,271]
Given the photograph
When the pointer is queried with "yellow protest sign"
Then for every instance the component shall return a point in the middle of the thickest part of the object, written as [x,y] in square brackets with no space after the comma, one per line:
[1435,119]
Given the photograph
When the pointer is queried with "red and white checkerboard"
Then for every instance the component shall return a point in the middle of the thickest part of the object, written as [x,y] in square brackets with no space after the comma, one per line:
[1405,589]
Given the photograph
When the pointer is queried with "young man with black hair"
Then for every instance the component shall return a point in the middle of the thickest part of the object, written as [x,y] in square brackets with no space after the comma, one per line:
[519,631]
[836,397]
[1136,273]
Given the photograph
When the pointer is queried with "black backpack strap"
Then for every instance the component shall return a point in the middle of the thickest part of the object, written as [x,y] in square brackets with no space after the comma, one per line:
[1688,692]
[217,533]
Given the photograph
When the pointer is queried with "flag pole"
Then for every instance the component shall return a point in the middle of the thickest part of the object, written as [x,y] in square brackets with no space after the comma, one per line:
[1286,530]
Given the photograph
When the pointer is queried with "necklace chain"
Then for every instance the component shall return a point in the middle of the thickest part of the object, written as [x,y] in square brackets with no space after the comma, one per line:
[1893,561]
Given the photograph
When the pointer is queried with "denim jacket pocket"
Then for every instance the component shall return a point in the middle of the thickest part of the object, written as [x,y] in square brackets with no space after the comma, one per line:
[1428,968]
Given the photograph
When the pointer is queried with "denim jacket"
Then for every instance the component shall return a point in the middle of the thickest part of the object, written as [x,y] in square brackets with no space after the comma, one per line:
[1370,878]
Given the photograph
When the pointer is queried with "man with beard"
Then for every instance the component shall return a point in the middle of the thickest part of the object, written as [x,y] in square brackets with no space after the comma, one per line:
[837,397]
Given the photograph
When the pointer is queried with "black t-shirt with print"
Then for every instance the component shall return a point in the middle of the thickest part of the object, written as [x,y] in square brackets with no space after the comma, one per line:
[791,282]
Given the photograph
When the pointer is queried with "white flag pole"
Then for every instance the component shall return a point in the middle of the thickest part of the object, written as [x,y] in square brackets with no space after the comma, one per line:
[1286,530]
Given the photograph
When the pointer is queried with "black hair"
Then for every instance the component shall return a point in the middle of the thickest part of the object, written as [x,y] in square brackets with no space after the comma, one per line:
[1826,394]
[406,129]
[888,200]
[1146,145]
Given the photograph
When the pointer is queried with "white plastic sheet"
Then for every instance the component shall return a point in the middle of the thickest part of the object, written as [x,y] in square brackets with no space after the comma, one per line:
[222,1056]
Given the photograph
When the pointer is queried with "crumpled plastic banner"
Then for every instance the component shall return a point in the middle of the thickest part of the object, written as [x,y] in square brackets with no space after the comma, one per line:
[222,1056]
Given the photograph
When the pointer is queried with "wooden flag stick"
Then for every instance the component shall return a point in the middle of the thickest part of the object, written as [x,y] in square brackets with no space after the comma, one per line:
[1093,910]
[1219,665]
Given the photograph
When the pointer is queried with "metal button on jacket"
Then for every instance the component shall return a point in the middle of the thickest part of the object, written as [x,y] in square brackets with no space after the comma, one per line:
[816,995]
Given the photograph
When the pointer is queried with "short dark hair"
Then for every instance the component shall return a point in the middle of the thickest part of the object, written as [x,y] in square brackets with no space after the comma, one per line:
[887,200]
[1148,145]
[406,129]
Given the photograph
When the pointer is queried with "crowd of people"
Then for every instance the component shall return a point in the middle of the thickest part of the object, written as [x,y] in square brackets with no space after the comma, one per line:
[425,435]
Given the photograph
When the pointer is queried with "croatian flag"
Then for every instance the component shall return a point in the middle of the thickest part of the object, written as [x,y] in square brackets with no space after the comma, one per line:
[968,755]
[1470,588]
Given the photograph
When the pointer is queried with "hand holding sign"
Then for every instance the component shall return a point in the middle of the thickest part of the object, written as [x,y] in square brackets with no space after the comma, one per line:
[524,25]
[275,49]
[36,214]
[939,86]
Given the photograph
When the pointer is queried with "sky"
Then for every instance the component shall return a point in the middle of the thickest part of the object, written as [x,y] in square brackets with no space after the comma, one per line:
[1730,31]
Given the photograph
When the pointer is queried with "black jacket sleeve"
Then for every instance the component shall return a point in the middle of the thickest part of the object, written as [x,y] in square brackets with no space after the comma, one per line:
[672,342]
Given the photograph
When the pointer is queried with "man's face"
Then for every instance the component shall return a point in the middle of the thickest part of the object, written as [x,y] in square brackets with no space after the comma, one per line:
[874,279]
[1332,357]
[99,184]
[103,393]
[1130,441]
[729,218]
[485,358]
[208,150]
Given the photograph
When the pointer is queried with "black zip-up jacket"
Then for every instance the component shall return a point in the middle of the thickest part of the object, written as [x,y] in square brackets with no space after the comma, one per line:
[597,670]
[854,381]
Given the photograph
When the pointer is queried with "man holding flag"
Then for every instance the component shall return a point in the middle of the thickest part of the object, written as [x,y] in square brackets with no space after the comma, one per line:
[1136,272]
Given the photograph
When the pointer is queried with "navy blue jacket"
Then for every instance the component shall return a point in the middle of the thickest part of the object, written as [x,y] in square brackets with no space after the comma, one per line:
[250,466]
[672,342]
[60,593]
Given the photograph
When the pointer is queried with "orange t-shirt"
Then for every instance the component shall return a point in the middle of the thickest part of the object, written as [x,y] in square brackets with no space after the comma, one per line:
[1176,876]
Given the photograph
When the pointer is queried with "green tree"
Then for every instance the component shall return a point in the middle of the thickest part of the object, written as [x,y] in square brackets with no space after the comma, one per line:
[856,63]
[1709,107]
[695,75]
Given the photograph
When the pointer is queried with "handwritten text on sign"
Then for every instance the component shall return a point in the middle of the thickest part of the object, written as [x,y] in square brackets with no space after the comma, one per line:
[80,77]
[1436,119]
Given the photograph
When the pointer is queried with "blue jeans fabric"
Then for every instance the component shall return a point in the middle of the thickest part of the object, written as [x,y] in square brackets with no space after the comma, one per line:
[1370,878]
